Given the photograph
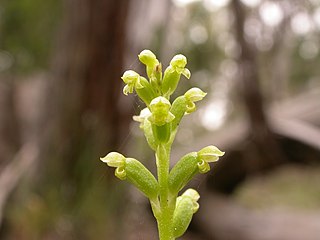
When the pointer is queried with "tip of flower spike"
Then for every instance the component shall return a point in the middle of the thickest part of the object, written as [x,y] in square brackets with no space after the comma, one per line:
[148,57]
[114,159]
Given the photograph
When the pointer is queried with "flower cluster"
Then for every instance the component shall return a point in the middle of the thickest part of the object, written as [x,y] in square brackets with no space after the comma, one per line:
[159,121]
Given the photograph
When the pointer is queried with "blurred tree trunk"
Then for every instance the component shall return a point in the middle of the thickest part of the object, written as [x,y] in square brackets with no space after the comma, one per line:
[9,127]
[86,117]
[263,140]
[85,112]
[86,73]
[261,150]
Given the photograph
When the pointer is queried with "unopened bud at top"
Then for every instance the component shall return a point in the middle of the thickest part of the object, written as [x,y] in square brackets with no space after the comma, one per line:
[148,58]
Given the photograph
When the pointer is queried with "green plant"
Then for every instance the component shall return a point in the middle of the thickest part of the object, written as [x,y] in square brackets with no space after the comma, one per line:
[159,121]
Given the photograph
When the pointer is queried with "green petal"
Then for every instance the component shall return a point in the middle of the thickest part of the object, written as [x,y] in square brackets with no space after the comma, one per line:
[120,173]
[210,154]
[195,94]
[114,159]
[186,73]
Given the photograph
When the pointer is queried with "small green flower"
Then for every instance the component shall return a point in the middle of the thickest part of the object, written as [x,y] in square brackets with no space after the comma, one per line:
[190,165]
[132,81]
[186,205]
[160,111]
[140,84]
[153,68]
[178,64]
[172,74]
[149,59]
[207,155]
[135,172]
[146,126]
[193,95]
[144,114]
[194,196]
[118,161]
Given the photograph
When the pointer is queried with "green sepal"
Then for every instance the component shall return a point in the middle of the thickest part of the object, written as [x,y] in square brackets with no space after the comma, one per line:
[186,206]
[141,177]
[184,170]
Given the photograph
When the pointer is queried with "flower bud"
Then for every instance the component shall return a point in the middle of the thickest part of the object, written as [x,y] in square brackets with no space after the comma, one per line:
[186,206]
[153,67]
[193,95]
[149,59]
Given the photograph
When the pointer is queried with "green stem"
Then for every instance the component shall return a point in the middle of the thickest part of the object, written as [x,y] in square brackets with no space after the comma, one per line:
[167,202]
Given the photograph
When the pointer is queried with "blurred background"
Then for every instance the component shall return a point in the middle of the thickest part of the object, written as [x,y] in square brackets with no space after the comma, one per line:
[62,107]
